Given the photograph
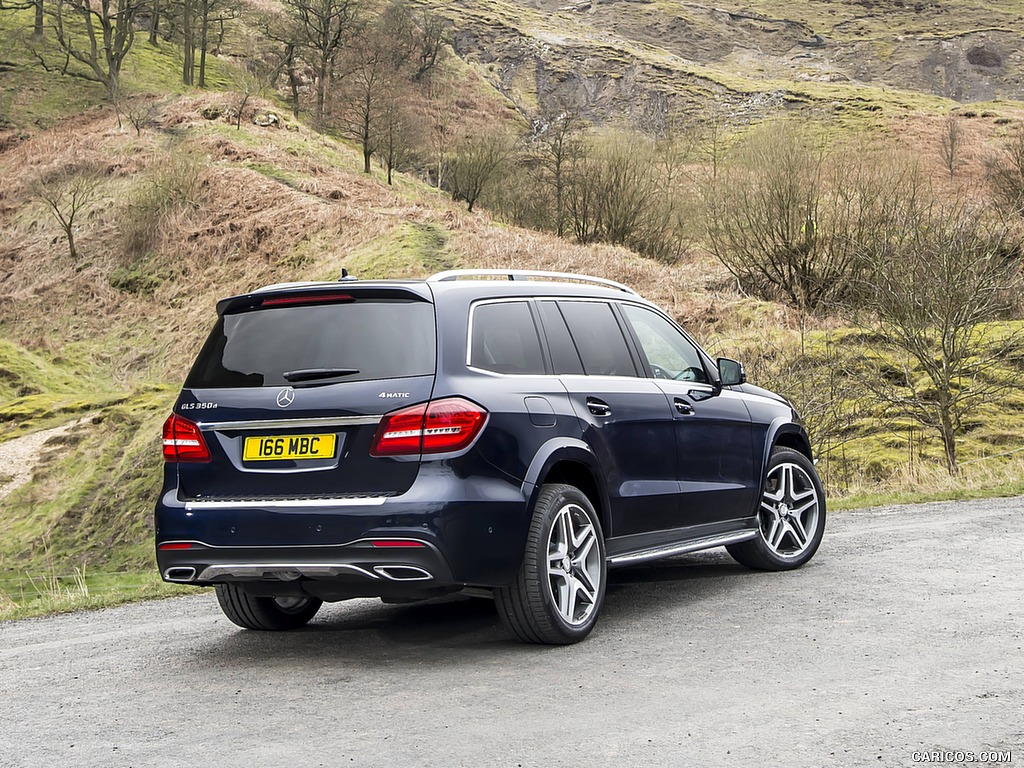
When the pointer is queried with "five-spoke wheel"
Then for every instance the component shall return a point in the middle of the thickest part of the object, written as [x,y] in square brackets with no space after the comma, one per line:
[559,589]
[791,515]
[574,564]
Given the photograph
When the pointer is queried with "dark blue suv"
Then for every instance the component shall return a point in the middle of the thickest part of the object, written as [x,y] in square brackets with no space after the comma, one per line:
[516,432]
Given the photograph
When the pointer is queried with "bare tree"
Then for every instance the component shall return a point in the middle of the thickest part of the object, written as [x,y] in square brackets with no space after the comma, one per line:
[441,117]
[1006,175]
[401,131]
[67,193]
[785,211]
[557,146]
[951,144]
[195,20]
[323,27]
[95,33]
[38,25]
[139,111]
[248,82]
[373,67]
[477,162]
[936,276]
[812,373]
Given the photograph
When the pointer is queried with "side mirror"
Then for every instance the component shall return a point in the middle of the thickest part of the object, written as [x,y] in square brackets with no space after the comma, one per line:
[730,372]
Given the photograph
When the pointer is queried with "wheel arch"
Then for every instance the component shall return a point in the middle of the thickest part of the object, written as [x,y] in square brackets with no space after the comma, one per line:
[568,461]
[785,433]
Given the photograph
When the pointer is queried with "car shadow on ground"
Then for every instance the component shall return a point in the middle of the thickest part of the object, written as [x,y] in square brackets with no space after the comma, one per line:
[370,631]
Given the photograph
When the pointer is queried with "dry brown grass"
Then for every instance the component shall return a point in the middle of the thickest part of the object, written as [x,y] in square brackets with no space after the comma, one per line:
[277,205]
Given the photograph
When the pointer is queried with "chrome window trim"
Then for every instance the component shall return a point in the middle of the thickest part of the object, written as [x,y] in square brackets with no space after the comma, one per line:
[326,421]
[469,333]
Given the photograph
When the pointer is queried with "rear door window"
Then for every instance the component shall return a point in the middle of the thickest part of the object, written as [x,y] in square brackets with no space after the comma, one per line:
[376,339]
[505,340]
[598,338]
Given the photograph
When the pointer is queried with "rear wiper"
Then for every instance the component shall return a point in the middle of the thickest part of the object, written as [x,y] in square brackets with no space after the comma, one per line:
[312,374]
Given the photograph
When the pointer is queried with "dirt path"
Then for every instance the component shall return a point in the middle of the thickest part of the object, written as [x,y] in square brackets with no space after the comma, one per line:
[18,457]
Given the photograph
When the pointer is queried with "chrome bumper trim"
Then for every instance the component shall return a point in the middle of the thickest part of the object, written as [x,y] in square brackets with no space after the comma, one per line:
[355,501]
[326,421]
[282,571]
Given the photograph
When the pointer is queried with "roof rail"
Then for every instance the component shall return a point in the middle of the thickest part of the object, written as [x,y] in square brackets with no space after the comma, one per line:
[527,274]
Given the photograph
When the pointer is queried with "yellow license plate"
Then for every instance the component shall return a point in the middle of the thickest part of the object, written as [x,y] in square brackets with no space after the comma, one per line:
[289,447]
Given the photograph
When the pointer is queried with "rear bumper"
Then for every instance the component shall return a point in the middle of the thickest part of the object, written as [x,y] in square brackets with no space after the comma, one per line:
[472,532]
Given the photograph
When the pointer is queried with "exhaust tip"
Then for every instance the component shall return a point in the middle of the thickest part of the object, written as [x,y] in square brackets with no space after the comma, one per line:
[180,574]
[403,572]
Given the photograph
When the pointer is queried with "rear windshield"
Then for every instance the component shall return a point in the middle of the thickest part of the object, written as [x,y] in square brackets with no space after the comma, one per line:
[380,339]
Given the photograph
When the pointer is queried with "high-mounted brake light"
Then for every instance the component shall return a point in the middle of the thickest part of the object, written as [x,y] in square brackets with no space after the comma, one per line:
[439,426]
[315,298]
[183,441]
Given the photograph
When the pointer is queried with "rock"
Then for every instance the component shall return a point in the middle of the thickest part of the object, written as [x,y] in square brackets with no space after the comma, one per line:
[211,112]
[267,119]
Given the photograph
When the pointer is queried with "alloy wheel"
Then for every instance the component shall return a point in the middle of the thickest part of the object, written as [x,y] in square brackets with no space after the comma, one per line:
[789,512]
[574,564]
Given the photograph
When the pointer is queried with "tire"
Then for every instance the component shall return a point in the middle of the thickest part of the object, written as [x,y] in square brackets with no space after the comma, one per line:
[791,516]
[271,614]
[559,590]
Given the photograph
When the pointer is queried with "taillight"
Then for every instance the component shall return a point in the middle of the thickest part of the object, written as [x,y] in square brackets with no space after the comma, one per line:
[183,441]
[439,426]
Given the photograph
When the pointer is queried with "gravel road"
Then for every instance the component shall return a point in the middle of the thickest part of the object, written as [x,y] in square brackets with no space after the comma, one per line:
[904,635]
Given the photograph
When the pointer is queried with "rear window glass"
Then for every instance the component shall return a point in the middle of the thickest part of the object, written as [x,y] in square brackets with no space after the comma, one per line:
[376,339]
[505,339]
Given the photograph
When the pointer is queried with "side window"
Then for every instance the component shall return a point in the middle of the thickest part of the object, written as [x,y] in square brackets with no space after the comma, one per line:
[563,352]
[670,355]
[598,338]
[505,339]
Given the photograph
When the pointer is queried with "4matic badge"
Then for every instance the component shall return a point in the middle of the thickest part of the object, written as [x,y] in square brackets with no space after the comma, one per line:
[394,394]
[285,397]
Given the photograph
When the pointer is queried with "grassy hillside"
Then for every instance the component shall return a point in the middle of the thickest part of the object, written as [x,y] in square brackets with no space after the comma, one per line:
[191,209]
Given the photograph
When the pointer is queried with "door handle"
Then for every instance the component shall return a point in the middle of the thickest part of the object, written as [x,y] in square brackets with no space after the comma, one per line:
[598,407]
[683,407]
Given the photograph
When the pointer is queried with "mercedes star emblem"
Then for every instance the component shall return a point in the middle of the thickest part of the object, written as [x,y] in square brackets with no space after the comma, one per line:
[285,397]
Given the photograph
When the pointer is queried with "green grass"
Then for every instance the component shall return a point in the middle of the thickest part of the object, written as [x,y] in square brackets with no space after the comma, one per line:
[89,505]
[49,593]
[31,97]
[36,393]
[408,250]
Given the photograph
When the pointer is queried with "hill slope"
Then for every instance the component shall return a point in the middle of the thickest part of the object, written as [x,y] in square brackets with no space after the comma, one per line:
[611,58]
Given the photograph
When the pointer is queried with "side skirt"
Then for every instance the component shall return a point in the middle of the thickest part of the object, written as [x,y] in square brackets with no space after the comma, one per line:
[637,549]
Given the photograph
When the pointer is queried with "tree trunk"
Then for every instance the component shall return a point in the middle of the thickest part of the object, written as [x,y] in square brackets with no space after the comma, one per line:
[321,91]
[154,22]
[948,435]
[293,79]
[203,42]
[37,28]
[188,44]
